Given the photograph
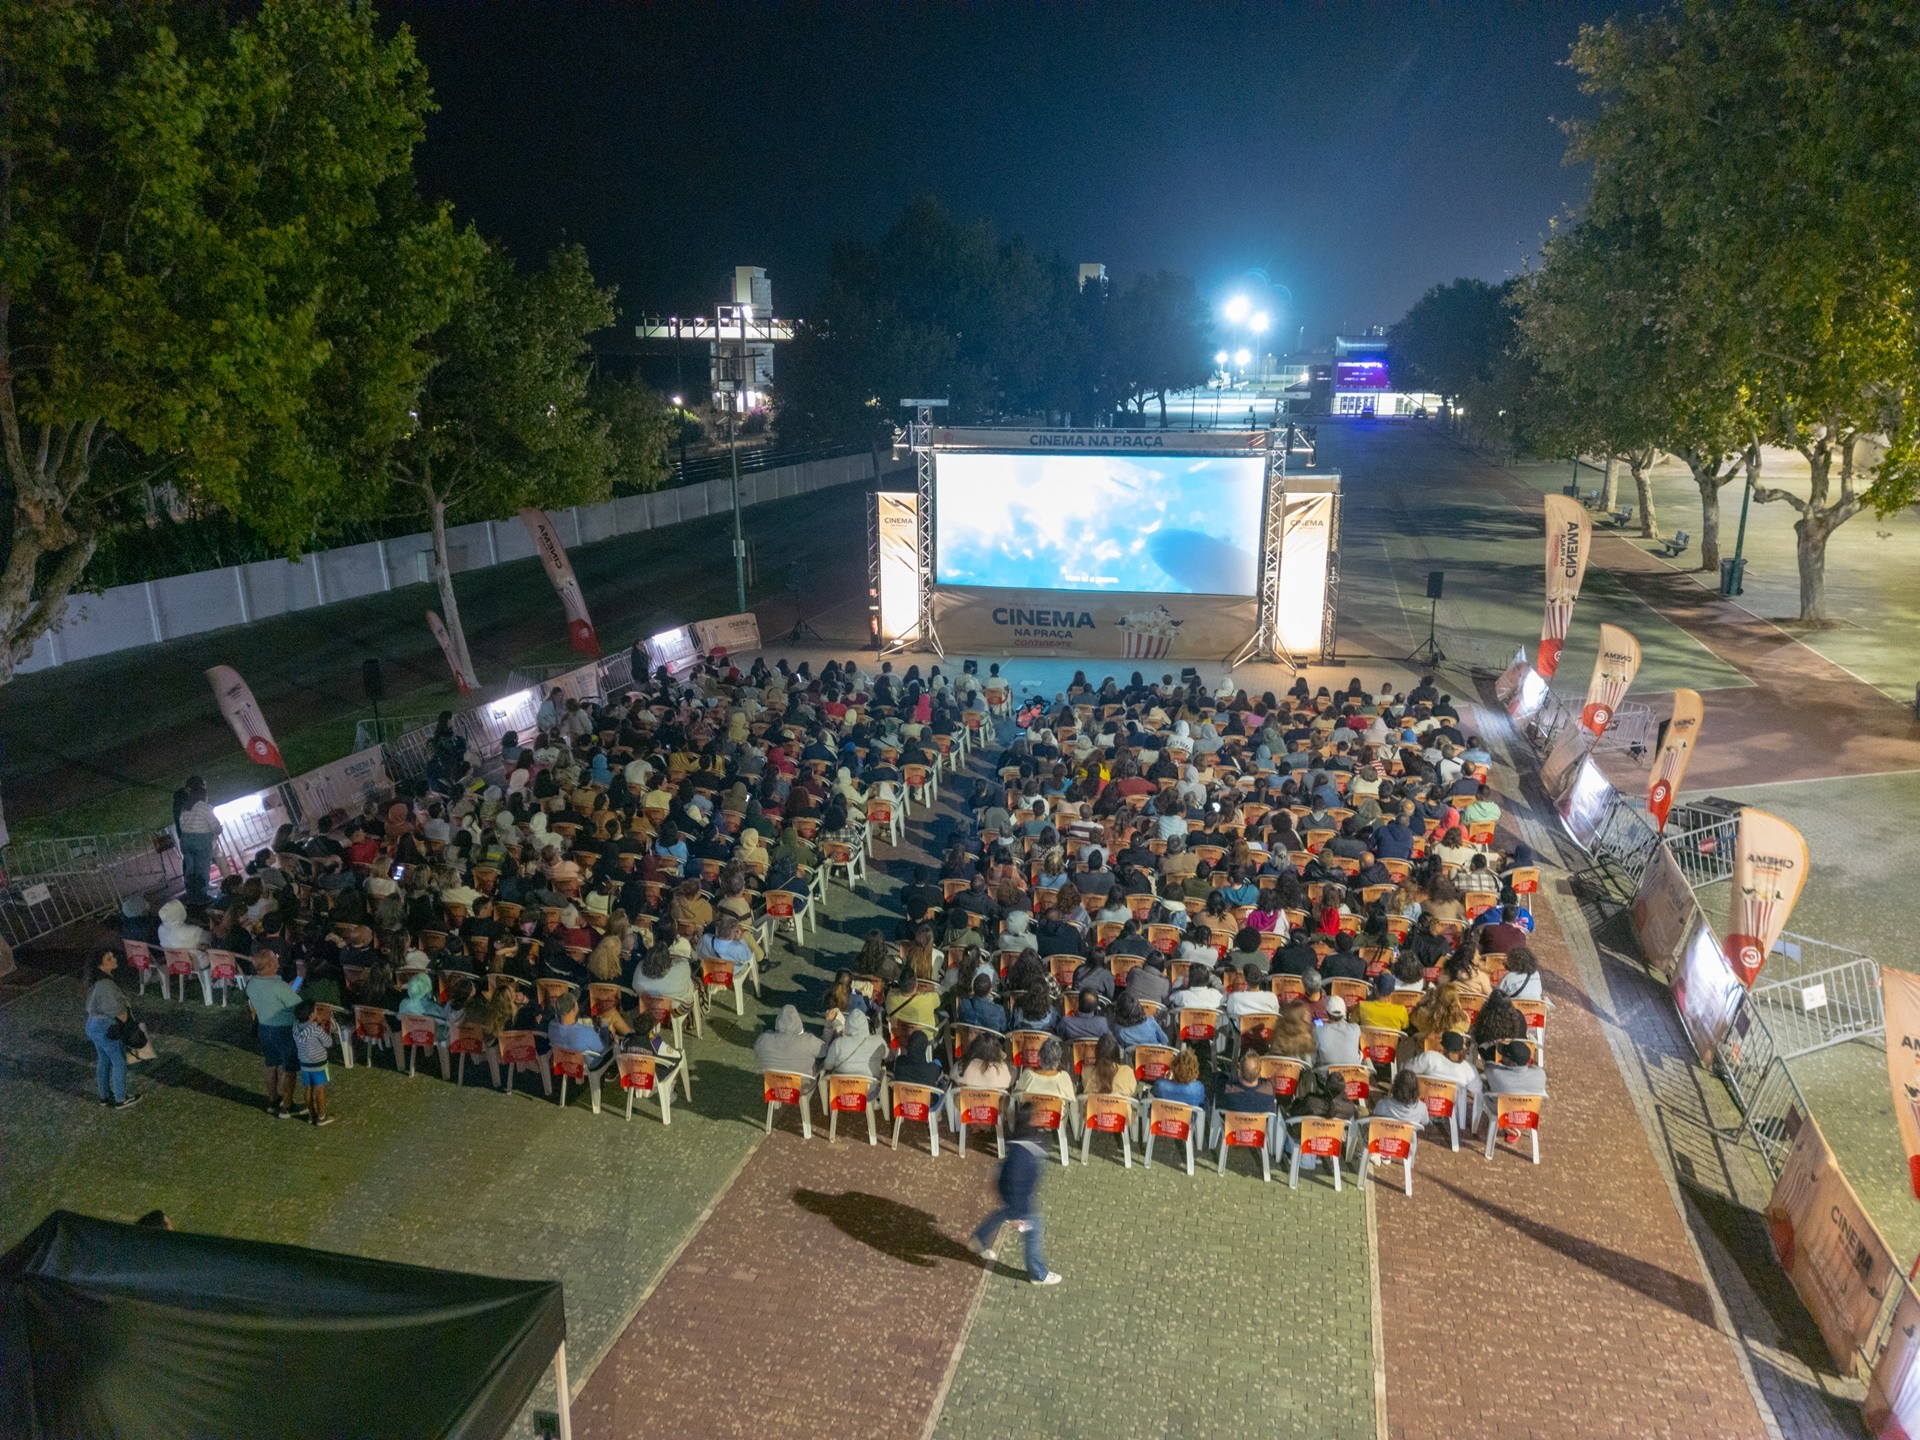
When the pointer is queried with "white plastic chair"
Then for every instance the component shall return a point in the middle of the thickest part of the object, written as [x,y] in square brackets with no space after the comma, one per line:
[1321,1137]
[422,1032]
[1387,1141]
[373,1027]
[180,964]
[515,1051]
[1513,1112]
[848,857]
[916,1104]
[573,1065]
[792,907]
[223,973]
[976,1108]
[645,1076]
[854,1093]
[788,1087]
[730,976]
[1443,1101]
[885,814]
[1247,1130]
[1171,1120]
[1110,1115]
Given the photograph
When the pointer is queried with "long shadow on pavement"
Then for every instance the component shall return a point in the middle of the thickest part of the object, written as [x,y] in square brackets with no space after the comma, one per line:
[904,1232]
[1687,1297]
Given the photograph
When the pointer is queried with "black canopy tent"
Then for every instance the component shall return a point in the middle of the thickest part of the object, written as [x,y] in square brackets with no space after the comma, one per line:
[124,1331]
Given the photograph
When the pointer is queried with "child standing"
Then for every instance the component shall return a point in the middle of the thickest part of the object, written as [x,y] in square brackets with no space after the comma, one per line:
[310,1043]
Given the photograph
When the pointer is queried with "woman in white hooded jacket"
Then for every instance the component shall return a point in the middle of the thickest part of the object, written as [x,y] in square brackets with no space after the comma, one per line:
[178,933]
[858,1051]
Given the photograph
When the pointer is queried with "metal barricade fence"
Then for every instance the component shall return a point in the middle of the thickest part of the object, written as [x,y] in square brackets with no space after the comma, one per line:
[1632,729]
[1745,1052]
[50,884]
[1813,1006]
[1704,850]
[368,733]
[616,672]
[1543,727]
[1626,839]
[1772,1098]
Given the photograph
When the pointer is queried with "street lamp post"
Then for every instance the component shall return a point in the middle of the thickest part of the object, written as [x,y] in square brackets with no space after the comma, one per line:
[733,447]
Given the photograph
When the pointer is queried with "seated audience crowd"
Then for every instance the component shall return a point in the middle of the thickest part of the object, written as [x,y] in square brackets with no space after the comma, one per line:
[1292,905]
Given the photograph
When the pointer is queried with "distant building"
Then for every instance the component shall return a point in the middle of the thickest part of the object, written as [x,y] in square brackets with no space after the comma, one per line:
[1092,272]
[740,338]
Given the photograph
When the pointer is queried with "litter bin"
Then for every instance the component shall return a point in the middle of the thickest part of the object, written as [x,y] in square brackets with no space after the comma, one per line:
[1733,574]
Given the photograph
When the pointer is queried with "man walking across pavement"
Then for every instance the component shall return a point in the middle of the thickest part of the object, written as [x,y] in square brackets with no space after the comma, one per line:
[1019,1187]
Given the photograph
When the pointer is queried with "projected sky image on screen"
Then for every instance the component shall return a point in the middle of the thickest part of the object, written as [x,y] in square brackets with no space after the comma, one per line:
[1167,524]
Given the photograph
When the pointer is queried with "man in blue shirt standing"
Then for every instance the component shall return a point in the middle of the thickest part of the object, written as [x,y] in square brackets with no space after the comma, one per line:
[272,1001]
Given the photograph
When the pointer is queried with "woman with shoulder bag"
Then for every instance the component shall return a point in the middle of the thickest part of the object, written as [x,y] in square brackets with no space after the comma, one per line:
[109,1019]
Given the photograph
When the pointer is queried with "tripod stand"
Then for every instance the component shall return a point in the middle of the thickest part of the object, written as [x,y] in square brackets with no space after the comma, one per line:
[796,588]
[1428,652]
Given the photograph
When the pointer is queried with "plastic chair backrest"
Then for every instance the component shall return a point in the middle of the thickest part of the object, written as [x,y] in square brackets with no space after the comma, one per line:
[1389,1139]
[1322,1137]
[782,1087]
[1247,1128]
[847,1092]
[1170,1119]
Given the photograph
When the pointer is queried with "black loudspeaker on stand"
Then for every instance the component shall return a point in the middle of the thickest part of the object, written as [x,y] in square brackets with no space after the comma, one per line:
[799,582]
[1430,653]
[375,685]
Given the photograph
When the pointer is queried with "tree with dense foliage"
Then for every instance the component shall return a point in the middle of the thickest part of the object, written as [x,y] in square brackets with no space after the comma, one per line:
[214,267]
[1452,340]
[937,307]
[503,419]
[1778,145]
[1159,341]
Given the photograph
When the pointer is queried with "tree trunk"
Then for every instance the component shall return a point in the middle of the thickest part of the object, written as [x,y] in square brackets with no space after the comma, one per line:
[1643,492]
[1709,521]
[1609,486]
[1810,551]
[443,578]
[1163,407]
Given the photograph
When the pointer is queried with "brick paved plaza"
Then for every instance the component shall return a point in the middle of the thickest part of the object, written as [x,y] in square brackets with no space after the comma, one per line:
[720,1282]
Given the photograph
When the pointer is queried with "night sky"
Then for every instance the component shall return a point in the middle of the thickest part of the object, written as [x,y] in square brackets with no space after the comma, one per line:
[1355,154]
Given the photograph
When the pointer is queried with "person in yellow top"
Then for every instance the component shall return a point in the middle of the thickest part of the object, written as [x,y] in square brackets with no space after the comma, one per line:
[1381,1013]
[1107,1074]
[914,1008]
[1048,1075]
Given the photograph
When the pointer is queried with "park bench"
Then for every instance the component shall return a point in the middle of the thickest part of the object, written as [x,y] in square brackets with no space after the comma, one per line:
[1623,516]
[1677,545]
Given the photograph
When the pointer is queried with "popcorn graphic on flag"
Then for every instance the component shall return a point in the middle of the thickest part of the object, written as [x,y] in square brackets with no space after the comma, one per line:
[1149,633]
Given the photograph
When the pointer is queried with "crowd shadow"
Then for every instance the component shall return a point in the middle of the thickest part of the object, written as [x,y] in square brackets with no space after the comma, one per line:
[902,1232]
[1657,1283]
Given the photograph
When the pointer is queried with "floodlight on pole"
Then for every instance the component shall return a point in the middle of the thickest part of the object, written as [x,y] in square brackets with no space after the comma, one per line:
[1242,356]
[1259,321]
[1220,357]
[1237,308]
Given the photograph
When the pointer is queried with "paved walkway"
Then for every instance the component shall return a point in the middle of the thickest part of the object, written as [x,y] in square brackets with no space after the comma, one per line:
[1557,1300]
[824,1296]
[1803,717]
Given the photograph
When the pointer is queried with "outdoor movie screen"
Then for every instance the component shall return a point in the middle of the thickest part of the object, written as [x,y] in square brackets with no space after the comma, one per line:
[1161,524]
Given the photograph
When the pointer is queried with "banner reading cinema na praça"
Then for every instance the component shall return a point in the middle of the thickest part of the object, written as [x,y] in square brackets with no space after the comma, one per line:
[1569,539]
